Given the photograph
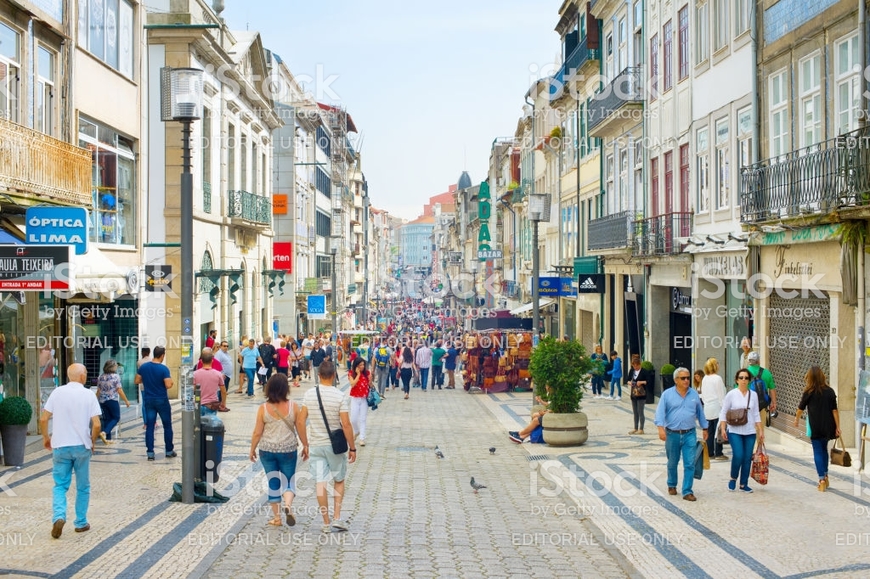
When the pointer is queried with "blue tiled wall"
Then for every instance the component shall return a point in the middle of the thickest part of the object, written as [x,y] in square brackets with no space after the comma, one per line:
[787,15]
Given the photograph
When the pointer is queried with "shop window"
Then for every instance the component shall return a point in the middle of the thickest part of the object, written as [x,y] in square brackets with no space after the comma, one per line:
[105,29]
[10,69]
[113,214]
[44,95]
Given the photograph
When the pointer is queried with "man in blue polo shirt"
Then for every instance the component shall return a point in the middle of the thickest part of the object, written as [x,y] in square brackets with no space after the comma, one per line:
[679,409]
[156,380]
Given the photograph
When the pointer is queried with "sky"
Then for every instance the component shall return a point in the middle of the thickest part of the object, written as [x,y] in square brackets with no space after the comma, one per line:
[429,85]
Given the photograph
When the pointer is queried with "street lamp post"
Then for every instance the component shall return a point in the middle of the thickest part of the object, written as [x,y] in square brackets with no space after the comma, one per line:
[181,100]
[539,210]
[365,296]
[333,249]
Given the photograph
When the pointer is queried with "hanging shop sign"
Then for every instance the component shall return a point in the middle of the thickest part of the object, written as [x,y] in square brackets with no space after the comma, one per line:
[484,212]
[723,265]
[681,300]
[58,226]
[279,204]
[282,256]
[34,268]
[549,286]
[590,284]
[566,287]
[158,278]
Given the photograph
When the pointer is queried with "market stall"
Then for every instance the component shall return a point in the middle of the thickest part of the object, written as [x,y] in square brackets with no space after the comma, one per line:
[497,361]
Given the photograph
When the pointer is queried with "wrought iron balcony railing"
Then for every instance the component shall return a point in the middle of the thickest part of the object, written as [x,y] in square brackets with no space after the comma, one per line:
[250,207]
[611,232]
[574,62]
[42,167]
[659,235]
[206,197]
[626,88]
[814,180]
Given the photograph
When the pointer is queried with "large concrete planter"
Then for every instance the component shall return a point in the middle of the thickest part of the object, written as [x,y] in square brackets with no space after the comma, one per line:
[14,441]
[565,429]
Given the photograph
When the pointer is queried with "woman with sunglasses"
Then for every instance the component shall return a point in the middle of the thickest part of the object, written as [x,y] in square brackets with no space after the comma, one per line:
[742,437]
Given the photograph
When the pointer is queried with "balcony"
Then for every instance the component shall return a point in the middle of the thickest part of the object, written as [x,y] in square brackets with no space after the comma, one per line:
[611,232]
[249,209]
[43,169]
[206,197]
[816,180]
[581,57]
[618,106]
[660,235]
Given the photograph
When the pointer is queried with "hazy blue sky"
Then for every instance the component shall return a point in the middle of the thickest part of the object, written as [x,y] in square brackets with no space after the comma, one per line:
[428,84]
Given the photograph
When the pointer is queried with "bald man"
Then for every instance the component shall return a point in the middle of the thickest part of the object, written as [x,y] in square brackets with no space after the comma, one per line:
[73,407]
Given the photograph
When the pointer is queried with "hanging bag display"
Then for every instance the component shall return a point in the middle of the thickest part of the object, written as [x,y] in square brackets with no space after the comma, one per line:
[336,437]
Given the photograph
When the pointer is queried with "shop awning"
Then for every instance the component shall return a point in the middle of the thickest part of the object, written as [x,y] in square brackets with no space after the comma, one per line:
[95,273]
[6,237]
[528,307]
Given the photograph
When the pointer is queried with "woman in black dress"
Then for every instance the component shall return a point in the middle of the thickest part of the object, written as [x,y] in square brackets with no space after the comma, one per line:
[820,402]
[640,380]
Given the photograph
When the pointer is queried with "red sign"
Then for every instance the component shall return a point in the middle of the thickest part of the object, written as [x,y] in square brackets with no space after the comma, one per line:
[282,256]
[34,268]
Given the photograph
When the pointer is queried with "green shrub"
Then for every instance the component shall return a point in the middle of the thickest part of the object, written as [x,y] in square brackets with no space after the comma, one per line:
[15,410]
[647,365]
[667,370]
[564,367]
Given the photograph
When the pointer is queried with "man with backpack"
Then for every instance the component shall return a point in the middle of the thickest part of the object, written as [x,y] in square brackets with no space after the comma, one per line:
[763,385]
[383,355]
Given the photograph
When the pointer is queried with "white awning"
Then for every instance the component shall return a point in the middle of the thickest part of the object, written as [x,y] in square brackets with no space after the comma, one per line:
[528,307]
[94,273]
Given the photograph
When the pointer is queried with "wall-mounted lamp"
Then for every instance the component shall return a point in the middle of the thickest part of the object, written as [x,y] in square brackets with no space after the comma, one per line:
[712,239]
[732,237]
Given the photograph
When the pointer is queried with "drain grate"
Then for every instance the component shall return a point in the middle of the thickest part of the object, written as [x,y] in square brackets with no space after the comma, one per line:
[414,449]
[535,457]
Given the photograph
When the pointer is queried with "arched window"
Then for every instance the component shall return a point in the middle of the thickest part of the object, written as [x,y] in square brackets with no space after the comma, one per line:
[206,284]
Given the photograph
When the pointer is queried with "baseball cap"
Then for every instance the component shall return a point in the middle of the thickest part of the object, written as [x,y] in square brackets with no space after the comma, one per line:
[752,358]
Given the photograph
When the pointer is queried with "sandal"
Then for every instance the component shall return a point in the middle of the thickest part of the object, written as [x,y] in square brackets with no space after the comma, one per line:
[406,396]
[276,522]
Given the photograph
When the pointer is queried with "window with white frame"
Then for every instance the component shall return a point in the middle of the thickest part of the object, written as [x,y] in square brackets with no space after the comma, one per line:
[683,42]
[847,81]
[43,99]
[608,45]
[702,152]
[623,45]
[10,72]
[779,121]
[702,32]
[243,184]
[723,165]
[105,29]
[623,179]
[668,55]
[811,112]
[113,184]
[609,170]
[744,136]
[742,15]
[638,33]
[720,23]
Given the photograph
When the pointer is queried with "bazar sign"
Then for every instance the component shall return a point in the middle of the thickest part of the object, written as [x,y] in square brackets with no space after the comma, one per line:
[34,268]
[484,212]
[58,226]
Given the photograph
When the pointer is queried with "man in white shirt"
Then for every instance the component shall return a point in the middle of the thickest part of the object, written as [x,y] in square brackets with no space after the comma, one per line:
[73,407]
[222,355]
[307,346]
[323,463]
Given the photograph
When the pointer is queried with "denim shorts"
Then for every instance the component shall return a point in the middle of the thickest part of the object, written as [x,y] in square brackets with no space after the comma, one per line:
[325,465]
[280,470]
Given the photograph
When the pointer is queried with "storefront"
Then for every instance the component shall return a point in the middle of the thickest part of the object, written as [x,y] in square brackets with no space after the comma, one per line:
[624,309]
[801,320]
[670,315]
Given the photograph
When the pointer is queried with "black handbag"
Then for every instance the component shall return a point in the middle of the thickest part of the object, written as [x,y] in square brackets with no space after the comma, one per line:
[336,437]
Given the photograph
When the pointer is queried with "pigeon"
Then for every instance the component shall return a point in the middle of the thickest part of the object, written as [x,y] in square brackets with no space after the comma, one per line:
[476,486]
[438,452]
[491,450]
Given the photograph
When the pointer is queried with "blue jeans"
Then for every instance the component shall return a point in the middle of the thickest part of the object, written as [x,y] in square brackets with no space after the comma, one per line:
[66,460]
[437,376]
[820,457]
[424,377]
[153,408]
[616,382]
[249,374]
[111,416]
[597,385]
[681,446]
[280,468]
[205,411]
[741,455]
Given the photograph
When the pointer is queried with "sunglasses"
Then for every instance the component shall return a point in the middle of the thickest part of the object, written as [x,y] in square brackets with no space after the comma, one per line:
[682,377]
[743,377]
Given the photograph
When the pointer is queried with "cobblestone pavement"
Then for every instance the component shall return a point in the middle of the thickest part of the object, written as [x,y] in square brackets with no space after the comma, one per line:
[599,510]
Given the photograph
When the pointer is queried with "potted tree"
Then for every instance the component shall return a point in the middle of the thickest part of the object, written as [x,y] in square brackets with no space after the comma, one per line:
[15,414]
[558,371]
[667,373]
[650,392]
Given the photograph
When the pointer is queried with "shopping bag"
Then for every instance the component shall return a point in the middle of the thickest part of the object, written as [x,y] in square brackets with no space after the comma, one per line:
[760,466]
[373,399]
[700,451]
[840,456]
[706,457]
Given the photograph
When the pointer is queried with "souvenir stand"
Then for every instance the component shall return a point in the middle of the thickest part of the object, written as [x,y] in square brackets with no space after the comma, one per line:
[497,361]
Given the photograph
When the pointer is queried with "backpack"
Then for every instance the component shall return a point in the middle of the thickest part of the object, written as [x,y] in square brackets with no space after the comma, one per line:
[382,357]
[760,388]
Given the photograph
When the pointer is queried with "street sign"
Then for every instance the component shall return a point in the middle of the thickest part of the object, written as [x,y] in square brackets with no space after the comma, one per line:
[58,226]
[34,267]
[158,278]
[317,307]
[282,256]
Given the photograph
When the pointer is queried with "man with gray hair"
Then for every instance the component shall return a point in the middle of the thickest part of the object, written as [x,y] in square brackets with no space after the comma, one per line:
[679,408]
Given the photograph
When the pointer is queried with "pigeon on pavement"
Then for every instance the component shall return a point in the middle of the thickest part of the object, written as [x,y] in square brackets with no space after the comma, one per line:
[438,452]
[476,486]
[491,450]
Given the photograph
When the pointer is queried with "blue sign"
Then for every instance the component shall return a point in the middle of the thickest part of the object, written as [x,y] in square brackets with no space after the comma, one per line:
[58,226]
[317,307]
[566,287]
[549,286]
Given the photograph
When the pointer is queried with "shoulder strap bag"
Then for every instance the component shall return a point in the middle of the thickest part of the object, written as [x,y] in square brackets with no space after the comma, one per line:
[840,456]
[739,416]
[285,420]
[336,437]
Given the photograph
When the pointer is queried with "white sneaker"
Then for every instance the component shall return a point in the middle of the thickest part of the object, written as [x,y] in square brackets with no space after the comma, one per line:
[607,398]
[339,525]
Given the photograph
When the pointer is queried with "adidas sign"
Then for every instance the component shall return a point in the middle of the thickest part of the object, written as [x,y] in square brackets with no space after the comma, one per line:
[589,284]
